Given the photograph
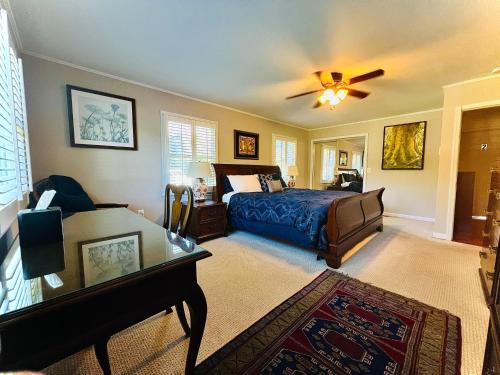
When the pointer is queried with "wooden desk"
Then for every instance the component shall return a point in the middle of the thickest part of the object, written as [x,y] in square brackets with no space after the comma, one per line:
[119,269]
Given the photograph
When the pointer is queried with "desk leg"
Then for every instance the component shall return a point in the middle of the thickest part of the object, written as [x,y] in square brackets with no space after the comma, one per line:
[101,352]
[198,311]
[179,307]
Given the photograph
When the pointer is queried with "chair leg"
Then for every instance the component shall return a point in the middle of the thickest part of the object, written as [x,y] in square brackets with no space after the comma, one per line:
[179,307]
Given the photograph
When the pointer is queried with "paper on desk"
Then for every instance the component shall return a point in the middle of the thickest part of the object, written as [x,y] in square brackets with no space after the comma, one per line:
[45,199]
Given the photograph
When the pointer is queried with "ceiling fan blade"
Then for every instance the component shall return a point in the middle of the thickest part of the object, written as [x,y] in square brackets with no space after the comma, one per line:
[357,93]
[317,104]
[304,93]
[366,76]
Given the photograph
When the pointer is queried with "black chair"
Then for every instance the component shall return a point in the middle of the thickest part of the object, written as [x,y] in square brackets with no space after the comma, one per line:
[176,218]
[70,195]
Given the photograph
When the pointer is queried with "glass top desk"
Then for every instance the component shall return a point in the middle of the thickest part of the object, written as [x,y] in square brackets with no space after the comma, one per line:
[114,269]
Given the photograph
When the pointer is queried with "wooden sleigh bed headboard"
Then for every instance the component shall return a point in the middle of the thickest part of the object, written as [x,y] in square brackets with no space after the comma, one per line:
[222,170]
[350,219]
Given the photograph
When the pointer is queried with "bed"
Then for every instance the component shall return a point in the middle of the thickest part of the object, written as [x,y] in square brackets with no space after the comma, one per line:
[330,222]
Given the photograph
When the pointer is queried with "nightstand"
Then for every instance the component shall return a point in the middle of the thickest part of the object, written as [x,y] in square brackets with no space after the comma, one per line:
[207,221]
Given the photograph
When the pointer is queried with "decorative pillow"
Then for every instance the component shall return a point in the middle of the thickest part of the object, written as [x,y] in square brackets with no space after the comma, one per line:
[347,177]
[245,183]
[264,179]
[277,176]
[227,188]
[274,186]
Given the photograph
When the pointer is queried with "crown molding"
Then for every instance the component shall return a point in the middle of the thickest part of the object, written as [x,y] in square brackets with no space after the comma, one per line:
[12,23]
[141,84]
[379,118]
[478,79]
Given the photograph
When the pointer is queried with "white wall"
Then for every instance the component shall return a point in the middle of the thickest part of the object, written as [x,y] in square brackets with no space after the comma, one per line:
[458,97]
[411,192]
[132,177]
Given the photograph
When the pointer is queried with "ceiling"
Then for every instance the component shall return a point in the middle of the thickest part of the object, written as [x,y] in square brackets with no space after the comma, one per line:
[250,55]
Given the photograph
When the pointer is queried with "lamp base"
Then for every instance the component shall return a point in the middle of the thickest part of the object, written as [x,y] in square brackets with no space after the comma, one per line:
[291,182]
[200,190]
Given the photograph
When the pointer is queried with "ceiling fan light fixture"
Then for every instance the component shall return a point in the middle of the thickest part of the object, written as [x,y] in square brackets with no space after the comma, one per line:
[342,93]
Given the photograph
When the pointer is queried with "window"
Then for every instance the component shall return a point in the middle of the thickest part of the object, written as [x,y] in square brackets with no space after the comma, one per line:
[284,153]
[327,163]
[187,139]
[357,161]
[15,179]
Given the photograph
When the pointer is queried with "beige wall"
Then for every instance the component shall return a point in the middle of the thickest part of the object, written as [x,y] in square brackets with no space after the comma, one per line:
[458,97]
[128,176]
[340,145]
[407,192]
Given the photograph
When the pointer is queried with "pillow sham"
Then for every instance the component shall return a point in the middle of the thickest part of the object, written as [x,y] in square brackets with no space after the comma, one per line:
[245,183]
[274,186]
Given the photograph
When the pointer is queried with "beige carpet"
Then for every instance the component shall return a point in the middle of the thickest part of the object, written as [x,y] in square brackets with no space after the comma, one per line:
[248,275]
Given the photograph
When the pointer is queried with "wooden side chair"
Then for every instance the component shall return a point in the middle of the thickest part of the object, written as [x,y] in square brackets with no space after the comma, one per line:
[175,219]
[177,211]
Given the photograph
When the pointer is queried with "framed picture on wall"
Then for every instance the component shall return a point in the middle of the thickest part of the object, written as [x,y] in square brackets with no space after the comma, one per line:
[404,146]
[101,120]
[246,145]
[106,258]
[343,158]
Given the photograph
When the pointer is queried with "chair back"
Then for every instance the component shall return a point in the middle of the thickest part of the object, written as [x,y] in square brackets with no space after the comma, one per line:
[174,211]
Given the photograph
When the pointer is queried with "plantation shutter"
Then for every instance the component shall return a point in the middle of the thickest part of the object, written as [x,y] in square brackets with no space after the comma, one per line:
[8,157]
[205,146]
[284,153]
[328,164]
[189,139]
[19,115]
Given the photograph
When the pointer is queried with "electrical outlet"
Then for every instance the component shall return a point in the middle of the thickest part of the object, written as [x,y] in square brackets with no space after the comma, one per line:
[140,212]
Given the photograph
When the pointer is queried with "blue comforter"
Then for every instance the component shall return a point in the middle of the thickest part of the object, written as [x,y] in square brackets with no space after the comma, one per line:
[297,215]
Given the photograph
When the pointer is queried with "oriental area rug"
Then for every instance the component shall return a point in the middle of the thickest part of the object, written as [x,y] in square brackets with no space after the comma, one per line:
[339,325]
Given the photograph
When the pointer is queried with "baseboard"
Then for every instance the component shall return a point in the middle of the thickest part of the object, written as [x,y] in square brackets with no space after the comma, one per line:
[412,217]
[441,236]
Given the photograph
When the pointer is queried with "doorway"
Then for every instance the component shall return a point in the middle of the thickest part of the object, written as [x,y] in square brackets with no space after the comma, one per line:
[479,153]
[336,160]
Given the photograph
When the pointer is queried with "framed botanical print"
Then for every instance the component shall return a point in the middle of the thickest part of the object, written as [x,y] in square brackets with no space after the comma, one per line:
[404,146]
[101,120]
[107,258]
[343,158]
[246,145]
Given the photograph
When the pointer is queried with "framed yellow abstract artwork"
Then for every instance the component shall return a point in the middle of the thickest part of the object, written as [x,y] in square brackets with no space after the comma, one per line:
[404,146]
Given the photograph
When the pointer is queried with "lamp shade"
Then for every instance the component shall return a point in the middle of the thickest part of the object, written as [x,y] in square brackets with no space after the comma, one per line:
[199,169]
[293,170]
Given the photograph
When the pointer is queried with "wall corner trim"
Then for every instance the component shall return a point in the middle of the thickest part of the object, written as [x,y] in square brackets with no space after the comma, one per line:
[411,217]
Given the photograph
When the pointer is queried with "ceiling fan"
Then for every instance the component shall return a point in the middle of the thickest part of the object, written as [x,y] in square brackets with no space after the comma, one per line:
[336,89]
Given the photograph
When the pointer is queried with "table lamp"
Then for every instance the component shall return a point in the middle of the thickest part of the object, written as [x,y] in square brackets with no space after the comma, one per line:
[293,171]
[199,170]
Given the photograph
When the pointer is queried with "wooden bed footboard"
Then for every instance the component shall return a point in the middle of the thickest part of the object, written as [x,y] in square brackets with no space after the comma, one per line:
[350,220]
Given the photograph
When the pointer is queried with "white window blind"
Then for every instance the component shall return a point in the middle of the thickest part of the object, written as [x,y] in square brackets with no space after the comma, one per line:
[327,163]
[8,157]
[284,153]
[20,125]
[14,147]
[188,139]
[357,161]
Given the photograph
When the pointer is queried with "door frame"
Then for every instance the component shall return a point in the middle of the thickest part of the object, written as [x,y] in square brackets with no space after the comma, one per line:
[326,139]
[455,154]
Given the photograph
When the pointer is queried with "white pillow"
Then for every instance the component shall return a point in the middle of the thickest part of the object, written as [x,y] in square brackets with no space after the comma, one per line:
[245,183]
